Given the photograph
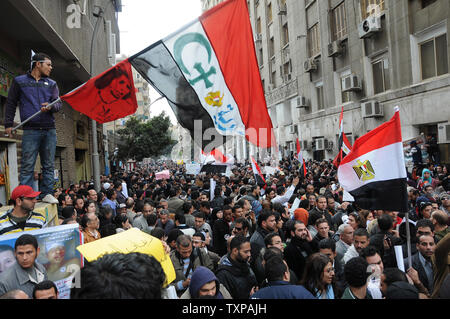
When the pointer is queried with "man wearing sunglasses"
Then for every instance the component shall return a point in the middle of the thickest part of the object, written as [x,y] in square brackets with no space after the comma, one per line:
[21,217]
[33,92]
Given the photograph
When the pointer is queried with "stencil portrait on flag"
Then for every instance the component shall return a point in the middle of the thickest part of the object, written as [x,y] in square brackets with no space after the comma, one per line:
[58,254]
[209,75]
[106,97]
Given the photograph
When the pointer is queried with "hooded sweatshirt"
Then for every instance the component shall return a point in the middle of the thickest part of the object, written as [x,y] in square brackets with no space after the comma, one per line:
[200,277]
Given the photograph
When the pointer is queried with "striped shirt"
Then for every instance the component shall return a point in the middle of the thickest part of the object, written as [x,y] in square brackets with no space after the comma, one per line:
[9,226]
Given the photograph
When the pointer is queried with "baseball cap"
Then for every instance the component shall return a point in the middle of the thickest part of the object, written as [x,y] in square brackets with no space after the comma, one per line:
[122,205]
[23,191]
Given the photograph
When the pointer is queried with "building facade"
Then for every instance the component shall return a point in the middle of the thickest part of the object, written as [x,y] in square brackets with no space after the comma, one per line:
[63,29]
[368,56]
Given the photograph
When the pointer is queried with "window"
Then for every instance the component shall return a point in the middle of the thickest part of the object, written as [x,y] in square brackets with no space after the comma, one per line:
[433,57]
[286,68]
[314,40]
[273,78]
[339,22]
[271,47]
[260,57]
[269,13]
[345,96]
[426,3]
[371,7]
[258,25]
[320,98]
[381,81]
[285,35]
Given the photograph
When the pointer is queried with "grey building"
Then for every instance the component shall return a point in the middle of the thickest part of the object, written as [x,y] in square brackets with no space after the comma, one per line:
[63,29]
[368,56]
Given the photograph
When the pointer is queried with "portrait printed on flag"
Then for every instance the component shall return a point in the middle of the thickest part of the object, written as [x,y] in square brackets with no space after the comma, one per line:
[113,86]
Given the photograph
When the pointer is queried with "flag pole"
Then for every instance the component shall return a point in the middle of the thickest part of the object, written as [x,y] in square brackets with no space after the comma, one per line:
[408,240]
[35,114]
[95,155]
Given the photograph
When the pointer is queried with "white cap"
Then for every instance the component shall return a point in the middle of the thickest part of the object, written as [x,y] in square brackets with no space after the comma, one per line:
[106,186]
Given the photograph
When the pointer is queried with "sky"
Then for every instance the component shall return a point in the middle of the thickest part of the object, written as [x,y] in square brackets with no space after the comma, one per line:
[143,22]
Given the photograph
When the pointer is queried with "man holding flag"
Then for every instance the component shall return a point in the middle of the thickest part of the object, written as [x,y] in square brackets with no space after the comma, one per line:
[34,92]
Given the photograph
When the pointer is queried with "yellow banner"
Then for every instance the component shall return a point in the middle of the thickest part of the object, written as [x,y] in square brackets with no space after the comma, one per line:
[130,241]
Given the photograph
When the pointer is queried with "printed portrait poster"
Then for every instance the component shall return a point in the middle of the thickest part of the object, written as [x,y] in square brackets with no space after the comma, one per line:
[58,254]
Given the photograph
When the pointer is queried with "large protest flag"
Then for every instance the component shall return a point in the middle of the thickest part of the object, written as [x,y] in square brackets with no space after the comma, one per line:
[109,96]
[374,171]
[208,71]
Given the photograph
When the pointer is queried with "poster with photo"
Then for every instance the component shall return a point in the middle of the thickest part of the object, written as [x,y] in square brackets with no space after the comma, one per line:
[58,254]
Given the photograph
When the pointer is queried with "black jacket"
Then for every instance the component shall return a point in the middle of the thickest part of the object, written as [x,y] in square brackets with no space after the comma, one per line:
[237,277]
[220,230]
[417,265]
[296,253]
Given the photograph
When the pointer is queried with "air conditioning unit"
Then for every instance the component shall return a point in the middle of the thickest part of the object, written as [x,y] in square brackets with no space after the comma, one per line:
[320,144]
[351,83]
[372,109]
[444,133]
[293,129]
[369,26]
[335,48]
[329,145]
[310,65]
[301,102]
[258,37]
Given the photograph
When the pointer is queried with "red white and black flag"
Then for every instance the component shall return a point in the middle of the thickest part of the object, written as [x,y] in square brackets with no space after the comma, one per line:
[344,145]
[300,159]
[208,72]
[260,180]
[374,171]
[109,96]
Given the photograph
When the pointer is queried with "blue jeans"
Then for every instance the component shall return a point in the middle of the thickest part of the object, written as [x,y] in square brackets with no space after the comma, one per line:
[42,142]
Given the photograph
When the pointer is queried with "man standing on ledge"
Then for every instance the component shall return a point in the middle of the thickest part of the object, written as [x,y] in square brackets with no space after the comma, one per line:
[33,92]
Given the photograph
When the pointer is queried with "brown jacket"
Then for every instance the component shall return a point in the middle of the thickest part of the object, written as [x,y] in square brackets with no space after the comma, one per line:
[441,264]
[89,238]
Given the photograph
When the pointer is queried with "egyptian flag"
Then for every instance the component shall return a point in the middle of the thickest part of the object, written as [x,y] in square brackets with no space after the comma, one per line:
[344,145]
[374,171]
[260,180]
[109,96]
[300,158]
[208,73]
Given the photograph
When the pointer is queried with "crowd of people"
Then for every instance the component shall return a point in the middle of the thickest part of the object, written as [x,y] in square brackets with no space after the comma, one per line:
[293,237]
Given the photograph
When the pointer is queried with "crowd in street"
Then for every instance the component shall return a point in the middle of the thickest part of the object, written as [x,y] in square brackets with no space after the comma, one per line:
[294,237]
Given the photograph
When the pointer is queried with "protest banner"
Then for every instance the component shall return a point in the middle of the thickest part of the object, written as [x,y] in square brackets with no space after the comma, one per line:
[132,240]
[58,253]
[163,175]
[193,169]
